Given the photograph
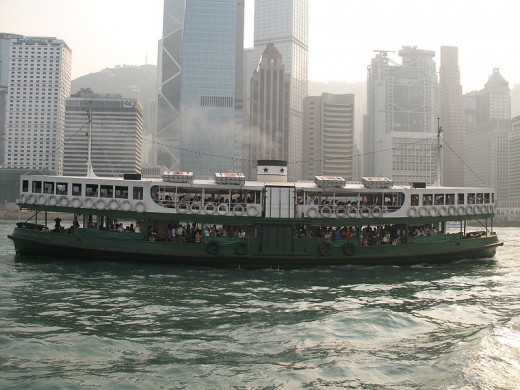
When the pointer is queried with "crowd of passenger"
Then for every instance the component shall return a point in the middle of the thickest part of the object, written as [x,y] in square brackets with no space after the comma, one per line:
[168,200]
[192,233]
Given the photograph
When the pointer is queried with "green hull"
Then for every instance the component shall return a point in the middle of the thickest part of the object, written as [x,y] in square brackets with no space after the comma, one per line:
[261,252]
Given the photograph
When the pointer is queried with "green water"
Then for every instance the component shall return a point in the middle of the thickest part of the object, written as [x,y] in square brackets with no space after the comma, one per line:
[84,325]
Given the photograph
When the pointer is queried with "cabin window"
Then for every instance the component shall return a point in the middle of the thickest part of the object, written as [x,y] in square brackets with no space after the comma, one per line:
[414,200]
[25,186]
[480,198]
[121,192]
[91,190]
[486,198]
[37,187]
[48,187]
[439,200]
[460,198]
[471,198]
[427,199]
[492,197]
[450,199]
[107,191]
[61,188]
[137,193]
[76,189]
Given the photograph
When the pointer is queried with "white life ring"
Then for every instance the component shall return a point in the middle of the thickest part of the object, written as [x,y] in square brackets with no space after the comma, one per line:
[326,211]
[140,207]
[63,201]
[412,212]
[341,211]
[484,209]
[101,204]
[476,209]
[423,211]
[88,203]
[42,199]
[222,209]
[365,212]
[126,205]
[443,211]
[31,199]
[195,208]
[113,204]
[210,208]
[461,210]
[76,203]
[376,212]
[312,212]
[452,210]
[23,198]
[352,212]
[432,212]
[238,209]
[251,210]
[469,210]
[52,200]
[182,207]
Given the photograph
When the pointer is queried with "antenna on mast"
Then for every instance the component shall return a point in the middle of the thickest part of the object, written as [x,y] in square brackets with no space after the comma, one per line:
[438,176]
[90,169]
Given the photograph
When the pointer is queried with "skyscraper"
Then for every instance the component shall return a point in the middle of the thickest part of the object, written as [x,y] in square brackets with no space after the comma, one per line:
[402,117]
[285,23]
[452,117]
[34,83]
[200,99]
[328,134]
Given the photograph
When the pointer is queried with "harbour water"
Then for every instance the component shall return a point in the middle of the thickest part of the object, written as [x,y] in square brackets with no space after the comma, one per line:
[107,325]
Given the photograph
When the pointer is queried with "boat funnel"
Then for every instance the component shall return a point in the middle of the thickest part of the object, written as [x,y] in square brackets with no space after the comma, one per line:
[271,171]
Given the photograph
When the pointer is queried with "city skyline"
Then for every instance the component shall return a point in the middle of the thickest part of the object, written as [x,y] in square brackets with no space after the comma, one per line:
[341,40]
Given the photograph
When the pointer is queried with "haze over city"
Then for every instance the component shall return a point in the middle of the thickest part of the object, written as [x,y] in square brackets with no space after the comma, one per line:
[342,36]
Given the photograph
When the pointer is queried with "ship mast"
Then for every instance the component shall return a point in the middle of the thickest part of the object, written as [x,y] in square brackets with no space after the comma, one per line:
[90,169]
[438,174]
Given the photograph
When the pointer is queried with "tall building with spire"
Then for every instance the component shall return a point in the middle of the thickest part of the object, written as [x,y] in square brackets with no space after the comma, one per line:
[285,23]
[401,121]
[200,99]
[452,118]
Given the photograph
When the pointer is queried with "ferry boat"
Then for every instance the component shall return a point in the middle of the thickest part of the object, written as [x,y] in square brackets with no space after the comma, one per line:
[228,221]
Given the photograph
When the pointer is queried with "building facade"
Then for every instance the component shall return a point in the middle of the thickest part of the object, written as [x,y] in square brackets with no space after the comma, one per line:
[328,136]
[401,123]
[514,160]
[200,101]
[452,118]
[268,138]
[285,23]
[117,134]
[34,84]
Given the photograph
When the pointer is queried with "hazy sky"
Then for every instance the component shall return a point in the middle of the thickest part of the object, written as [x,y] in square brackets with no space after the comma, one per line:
[343,33]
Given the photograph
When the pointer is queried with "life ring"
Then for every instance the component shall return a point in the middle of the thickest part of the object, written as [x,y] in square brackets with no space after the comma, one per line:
[42,199]
[476,209]
[31,199]
[76,202]
[325,248]
[461,210]
[210,208]
[52,200]
[412,212]
[423,211]
[325,211]
[212,248]
[443,211]
[241,249]
[365,212]
[140,207]
[195,208]
[376,212]
[63,201]
[469,210]
[312,212]
[349,249]
[251,210]
[88,203]
[182,207]
[113,204]
[341,211]
[23,198]
[101,204]
[126,205]
[222,209]
[484,209]
[452,210]
[238,209]
[352,212]
[432,212]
